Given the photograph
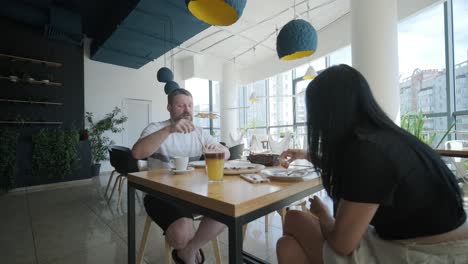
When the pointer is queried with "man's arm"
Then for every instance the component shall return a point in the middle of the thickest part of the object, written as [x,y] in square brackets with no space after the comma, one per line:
[146,146]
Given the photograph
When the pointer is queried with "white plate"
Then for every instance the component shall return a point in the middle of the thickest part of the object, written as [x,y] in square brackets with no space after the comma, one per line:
[198,163]
[290,175]
[242,167]
[189,169]
[233,167]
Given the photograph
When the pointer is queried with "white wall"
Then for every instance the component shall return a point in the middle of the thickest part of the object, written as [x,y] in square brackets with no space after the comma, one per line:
[202,66]
[107,85]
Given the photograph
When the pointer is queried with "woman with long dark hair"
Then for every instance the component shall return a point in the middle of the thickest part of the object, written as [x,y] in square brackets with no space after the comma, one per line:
[396,201]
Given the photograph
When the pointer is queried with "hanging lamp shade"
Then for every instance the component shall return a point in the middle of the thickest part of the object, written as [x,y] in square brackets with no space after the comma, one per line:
[171,86]
[310,73]
[297,39]
[165,75]
[216,12]
[253,97]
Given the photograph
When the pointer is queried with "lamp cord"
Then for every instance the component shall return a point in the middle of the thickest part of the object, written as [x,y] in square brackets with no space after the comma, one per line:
[294,8]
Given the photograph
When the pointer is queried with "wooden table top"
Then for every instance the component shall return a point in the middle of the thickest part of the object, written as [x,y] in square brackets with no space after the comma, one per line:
[233,196]
[453,153]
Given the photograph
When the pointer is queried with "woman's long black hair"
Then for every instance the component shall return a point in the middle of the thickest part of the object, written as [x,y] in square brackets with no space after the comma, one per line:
[339,102]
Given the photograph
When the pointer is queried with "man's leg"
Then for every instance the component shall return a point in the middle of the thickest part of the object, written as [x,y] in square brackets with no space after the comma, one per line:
[206,232]
[179,233]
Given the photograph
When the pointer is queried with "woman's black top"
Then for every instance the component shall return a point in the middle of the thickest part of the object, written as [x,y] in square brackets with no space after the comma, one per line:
[414,199]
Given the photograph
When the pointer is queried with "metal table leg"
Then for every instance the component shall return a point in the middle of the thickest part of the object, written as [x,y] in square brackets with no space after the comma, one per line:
[131,224]
[235,242]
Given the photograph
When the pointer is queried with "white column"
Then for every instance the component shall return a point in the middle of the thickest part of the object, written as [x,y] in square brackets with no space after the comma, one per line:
[228,101]
[374,42]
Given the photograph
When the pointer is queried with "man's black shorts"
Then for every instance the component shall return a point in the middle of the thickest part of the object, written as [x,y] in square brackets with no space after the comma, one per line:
[164,213]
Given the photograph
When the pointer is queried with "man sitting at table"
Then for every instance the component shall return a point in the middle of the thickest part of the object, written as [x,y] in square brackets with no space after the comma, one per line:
[160,141]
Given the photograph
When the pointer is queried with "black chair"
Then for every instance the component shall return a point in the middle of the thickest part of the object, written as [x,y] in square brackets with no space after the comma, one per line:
[123,162]
[112,162]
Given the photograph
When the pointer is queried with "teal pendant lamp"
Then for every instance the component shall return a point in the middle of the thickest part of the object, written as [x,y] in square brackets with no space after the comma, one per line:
[217,12]
[171,86]
[297,39]
[165,75]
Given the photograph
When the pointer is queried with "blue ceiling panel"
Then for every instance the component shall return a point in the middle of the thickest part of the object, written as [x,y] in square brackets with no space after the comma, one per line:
[151,29]
[130,42]
[108,55]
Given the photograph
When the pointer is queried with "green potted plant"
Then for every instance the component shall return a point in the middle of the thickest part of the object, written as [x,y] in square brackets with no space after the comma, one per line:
[55,154]
[414,124]
[98,141]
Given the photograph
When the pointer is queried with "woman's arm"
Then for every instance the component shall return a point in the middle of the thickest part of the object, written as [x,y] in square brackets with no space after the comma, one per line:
[344,232]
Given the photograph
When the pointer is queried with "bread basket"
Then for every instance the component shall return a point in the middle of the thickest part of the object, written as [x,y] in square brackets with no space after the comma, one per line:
[264,159]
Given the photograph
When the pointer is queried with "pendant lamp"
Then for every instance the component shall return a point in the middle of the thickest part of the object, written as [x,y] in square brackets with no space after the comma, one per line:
[253,97]
[297,39]
[310,73]
[171,86]
[165,75]
[216,12]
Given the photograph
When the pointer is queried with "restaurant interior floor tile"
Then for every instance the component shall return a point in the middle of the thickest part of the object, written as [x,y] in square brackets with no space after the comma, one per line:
[77,225]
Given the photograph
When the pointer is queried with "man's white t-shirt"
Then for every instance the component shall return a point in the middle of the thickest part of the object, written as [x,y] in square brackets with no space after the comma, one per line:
[176,144]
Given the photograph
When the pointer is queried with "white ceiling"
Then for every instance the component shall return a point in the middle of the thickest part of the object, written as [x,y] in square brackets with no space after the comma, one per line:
[253,37]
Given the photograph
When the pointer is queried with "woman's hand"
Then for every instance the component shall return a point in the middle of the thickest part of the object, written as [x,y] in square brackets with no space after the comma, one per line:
[318,208]
[291,155]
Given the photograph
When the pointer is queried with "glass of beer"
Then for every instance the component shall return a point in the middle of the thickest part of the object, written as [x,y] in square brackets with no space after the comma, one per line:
[214,165]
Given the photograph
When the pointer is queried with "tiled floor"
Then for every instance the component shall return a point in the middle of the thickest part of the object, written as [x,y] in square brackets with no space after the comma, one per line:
[76,225]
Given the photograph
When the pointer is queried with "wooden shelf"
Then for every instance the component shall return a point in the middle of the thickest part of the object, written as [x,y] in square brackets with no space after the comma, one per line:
[31,81]
[28,102]
[30,123]
[48,63]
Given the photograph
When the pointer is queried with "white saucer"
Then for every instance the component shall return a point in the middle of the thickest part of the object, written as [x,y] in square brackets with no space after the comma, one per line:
[189,169]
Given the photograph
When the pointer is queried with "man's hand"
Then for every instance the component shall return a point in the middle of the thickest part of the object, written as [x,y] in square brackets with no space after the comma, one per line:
[182,126]
[214,147]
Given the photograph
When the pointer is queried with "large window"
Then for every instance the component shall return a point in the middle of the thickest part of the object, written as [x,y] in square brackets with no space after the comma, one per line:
[341,56]
[425,85]
[460,40]
[205,100]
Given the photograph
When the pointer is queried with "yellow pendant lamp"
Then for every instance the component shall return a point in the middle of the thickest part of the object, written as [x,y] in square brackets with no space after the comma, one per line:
[310,73]
[216,12]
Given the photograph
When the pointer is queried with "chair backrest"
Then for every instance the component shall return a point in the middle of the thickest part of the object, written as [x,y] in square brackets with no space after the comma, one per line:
[455,145]
[236,139]
[123,160]
[236,151]
[255,144]
[277,147]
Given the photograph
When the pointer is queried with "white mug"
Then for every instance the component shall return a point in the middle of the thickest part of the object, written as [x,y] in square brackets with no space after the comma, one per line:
[180,163]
